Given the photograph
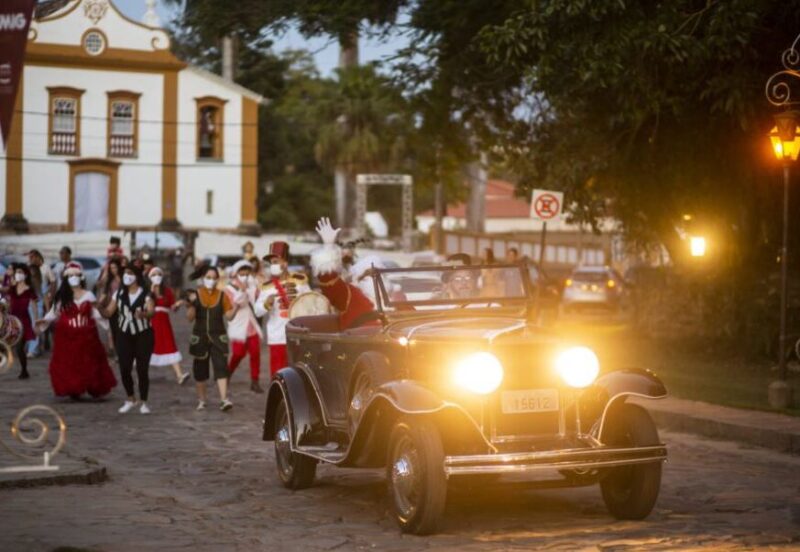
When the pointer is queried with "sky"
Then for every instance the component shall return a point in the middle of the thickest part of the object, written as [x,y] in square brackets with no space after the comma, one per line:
[326,51]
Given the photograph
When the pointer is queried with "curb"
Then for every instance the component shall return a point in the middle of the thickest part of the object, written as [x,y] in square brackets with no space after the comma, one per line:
[765,435]
[89,473]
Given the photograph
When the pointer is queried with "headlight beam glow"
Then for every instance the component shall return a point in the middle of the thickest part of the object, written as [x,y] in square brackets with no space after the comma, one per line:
[479,373]
[578,366]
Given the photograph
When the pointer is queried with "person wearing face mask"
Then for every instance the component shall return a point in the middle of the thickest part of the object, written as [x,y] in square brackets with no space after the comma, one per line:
[165,351]
[79,363]
[207,308]
[274,300]
[22,300]
[134,308]
[244,331]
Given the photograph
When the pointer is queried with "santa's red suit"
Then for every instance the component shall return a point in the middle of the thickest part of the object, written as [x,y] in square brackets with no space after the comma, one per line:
[348,299]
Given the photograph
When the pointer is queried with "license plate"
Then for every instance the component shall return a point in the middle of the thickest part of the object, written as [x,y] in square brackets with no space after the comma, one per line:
[529,400]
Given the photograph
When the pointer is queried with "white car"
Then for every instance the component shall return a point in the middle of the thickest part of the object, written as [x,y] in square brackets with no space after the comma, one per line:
[593,286]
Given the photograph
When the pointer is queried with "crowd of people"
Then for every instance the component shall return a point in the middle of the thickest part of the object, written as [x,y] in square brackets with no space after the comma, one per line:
[232,314]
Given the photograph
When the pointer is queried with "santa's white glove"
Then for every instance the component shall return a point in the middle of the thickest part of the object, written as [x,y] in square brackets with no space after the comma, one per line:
[326,231]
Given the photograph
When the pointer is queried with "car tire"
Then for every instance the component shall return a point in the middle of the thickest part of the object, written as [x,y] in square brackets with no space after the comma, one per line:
[296,471]
[415,476]
[630,492]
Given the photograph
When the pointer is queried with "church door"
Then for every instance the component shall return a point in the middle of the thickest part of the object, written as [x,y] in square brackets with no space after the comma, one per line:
[91,201]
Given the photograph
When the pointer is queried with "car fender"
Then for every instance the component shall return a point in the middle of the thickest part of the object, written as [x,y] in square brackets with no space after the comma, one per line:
[614,388]
[410,398]
[305,411]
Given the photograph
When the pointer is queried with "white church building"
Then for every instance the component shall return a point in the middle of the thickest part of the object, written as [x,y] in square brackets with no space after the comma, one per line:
[112,132]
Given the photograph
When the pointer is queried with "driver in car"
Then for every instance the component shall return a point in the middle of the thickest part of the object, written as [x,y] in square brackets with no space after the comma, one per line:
[326,262]
[459,284]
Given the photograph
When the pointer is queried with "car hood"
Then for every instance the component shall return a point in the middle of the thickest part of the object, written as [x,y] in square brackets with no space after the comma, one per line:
[466,328]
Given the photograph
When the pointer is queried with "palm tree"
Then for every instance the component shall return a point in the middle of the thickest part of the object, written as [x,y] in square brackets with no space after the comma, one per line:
[369,122]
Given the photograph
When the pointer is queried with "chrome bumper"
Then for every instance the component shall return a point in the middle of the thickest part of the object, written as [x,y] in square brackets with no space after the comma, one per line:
[567,459]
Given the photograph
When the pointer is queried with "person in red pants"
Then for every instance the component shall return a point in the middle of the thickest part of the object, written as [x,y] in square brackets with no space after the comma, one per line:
[276,296]
[244,331]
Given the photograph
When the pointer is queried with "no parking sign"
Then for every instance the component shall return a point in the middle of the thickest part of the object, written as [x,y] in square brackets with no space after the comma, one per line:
[547,205]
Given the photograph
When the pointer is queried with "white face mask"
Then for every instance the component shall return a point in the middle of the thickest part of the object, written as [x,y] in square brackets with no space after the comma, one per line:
[210,283]
[19,277]
[74,280]
[275,270]
[156,279]
[128,279]
[243,278]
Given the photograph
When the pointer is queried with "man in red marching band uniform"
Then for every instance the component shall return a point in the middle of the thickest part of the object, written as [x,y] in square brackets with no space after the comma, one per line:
[326,262]
[274,300]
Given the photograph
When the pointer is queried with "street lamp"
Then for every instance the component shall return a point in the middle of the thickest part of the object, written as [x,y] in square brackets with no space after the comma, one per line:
[785,138]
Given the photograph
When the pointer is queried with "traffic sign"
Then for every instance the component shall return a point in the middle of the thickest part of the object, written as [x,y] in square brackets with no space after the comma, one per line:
[547,205]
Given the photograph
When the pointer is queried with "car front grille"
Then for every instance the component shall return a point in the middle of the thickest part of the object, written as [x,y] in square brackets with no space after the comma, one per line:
[527,366]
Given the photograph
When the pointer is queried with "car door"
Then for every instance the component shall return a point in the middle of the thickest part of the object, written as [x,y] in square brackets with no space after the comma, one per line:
[333,369]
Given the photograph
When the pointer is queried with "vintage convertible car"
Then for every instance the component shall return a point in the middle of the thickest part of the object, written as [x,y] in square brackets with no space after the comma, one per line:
[460,384]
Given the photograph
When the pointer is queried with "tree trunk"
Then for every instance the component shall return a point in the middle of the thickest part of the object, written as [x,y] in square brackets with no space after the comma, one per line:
[348,57]
[229,57]
[476,207]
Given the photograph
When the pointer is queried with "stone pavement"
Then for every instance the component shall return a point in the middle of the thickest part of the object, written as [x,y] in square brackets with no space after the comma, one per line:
[185,480]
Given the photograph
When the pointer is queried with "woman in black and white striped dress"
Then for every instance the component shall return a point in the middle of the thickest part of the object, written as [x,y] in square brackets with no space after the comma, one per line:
[134,308]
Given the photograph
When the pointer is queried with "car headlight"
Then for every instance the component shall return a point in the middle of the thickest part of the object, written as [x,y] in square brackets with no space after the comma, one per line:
[578,366]
[479,373]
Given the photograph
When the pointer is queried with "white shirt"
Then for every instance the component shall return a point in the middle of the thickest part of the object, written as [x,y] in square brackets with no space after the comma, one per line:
[277,317]
[244,317]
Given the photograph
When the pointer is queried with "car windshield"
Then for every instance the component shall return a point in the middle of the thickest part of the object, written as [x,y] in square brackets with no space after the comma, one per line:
[446,287]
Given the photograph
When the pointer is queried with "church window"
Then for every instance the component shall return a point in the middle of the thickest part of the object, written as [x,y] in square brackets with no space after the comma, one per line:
[94,43]
[64,121]
[122,123]
[210,128]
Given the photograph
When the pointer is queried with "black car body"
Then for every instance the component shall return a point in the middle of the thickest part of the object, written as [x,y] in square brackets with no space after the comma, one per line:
[417,392]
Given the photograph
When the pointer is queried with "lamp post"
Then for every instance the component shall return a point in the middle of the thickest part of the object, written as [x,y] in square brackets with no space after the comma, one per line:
[785,140]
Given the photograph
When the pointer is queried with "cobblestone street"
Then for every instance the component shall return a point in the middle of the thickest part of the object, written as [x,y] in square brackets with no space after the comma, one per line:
[186,480]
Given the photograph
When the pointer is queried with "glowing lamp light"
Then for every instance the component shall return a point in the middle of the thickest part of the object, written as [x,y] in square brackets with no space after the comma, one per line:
[480,373]
[578,366]
[611,283]
[568,282]
[697,246]
[785,136]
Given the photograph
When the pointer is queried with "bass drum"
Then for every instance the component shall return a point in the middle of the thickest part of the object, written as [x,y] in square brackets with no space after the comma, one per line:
[311,303]
[10,330]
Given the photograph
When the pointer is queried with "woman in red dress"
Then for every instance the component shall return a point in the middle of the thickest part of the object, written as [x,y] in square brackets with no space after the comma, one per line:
[21,299]
[79,364]
[165,352]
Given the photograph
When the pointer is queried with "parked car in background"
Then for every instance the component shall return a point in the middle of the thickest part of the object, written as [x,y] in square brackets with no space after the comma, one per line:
[593,286]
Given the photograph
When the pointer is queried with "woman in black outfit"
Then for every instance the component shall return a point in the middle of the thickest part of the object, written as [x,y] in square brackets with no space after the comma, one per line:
[133,307]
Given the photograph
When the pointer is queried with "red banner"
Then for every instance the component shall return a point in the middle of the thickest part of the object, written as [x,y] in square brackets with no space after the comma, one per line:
[15,20]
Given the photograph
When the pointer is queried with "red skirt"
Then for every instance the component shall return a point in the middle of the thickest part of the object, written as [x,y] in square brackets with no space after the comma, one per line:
[165,351]
[79,364]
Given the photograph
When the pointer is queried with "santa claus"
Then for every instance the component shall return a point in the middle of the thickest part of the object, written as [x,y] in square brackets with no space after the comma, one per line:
[326,262]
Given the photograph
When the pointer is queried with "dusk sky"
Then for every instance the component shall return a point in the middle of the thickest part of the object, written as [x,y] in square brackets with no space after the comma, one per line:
[326,50]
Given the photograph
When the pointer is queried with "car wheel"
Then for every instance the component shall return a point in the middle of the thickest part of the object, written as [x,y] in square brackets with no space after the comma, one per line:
[415,475]
[630,492]
[295,471]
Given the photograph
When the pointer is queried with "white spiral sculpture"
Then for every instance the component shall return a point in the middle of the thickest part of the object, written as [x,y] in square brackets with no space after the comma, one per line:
[36,433]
